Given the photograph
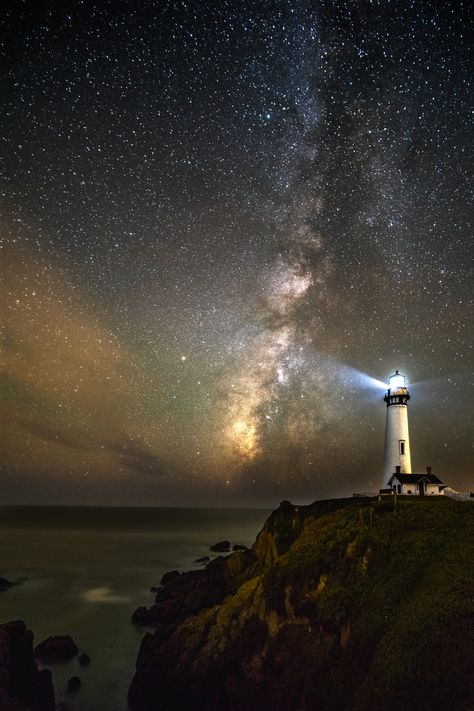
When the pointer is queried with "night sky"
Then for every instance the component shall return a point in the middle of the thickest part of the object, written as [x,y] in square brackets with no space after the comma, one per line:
[225,225]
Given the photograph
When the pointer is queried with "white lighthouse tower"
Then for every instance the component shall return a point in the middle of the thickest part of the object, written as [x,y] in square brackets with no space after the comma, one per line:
[397,440]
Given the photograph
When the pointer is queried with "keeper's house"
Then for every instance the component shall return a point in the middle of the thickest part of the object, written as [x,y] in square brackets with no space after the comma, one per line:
[416,484]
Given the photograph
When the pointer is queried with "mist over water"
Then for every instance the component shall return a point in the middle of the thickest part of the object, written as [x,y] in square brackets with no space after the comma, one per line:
[84,572]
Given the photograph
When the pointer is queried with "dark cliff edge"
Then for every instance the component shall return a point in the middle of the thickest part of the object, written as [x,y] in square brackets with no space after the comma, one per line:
[347,604]
[22,686]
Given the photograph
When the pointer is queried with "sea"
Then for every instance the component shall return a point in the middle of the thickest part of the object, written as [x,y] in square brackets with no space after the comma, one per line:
[83,571]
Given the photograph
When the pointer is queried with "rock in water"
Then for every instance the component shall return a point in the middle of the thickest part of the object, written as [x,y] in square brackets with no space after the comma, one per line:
[74,684]
[5,584]
[22,686]
[84,659]
[221,547]
[56,649]
[343,605]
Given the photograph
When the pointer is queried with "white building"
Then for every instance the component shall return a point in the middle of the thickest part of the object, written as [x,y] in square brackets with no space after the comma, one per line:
[417,484]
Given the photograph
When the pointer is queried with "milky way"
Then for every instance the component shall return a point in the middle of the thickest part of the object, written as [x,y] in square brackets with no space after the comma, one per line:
[225,224]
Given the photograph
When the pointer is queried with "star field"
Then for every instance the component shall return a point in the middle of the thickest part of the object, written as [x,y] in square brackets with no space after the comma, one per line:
[224,225]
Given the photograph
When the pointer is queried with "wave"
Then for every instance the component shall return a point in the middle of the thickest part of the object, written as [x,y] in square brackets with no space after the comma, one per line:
[103,595]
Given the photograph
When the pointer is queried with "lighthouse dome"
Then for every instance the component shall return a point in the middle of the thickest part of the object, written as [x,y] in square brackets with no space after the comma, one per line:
[397,380]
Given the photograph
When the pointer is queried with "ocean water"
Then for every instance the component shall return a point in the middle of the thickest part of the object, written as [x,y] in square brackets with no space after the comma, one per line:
[85,570]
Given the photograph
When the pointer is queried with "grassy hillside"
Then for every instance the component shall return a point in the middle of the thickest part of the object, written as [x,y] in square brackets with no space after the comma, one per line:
[344,604]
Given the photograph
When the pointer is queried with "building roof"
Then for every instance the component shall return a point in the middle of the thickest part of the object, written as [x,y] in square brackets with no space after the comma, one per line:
[415,478]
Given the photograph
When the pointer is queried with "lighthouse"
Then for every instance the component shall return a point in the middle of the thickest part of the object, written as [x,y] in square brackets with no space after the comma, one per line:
[397,440]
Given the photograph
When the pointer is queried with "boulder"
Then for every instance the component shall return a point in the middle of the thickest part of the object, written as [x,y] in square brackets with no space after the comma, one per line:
[147,616]
[84,659]
[204,560]
[60,648]
[221,547]
[140,615]
[74,684]
[5,584]
[163,594]
[170,577]
[22,686]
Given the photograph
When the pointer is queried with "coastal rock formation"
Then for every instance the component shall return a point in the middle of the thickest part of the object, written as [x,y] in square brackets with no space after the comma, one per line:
[221,547]
[192,591]
[348,604]
[203,561]
[22,686]
[170,577]
[5,584]
[74,684]
[56,649]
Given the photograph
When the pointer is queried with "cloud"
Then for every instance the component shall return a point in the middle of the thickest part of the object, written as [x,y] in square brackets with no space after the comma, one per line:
[49,432]
[72,389]
[139,458]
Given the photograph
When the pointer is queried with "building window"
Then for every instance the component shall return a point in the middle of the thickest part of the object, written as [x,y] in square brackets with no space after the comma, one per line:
[402,446]
[399,488]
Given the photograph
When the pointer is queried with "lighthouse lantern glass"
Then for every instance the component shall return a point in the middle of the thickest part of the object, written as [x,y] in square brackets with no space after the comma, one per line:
[397,380]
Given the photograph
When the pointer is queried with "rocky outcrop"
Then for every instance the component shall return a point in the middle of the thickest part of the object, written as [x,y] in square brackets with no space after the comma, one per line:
[184,595]
[203,561]
[61,648]
[84,659]
[221,547]
[347,604]
[5,584]
[74,684]
[170,577]
[22,686]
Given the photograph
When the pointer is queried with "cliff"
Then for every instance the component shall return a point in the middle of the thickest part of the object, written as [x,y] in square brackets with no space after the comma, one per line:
[22,686]
[345,604]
